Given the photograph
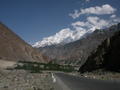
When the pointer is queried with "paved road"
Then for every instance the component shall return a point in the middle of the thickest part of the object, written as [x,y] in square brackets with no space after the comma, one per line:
[68,82]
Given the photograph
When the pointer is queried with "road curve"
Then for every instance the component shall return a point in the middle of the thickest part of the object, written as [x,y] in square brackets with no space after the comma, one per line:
[69,82]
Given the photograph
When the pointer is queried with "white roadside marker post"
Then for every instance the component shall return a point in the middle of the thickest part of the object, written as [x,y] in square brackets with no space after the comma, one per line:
[54,79]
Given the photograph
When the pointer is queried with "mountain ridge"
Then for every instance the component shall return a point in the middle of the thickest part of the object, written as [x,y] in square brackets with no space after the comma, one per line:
[77,52]
[106,56]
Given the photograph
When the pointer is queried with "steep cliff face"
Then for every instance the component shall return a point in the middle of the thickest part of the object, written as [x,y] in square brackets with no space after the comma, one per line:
[106,56]
[13,48]
[112,56]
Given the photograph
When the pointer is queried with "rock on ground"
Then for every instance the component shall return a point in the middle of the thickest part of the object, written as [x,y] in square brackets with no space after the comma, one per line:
[22,80]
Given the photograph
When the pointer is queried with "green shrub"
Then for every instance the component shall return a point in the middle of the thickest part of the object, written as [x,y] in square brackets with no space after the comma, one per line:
[36,67]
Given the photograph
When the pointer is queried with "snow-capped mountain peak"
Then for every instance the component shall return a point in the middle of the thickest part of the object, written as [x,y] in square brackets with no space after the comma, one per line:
[78,30]
[64,36]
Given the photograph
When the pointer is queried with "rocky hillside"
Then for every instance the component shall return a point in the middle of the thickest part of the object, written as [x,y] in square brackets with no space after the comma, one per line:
[13,48]
[76,53]
[106,56]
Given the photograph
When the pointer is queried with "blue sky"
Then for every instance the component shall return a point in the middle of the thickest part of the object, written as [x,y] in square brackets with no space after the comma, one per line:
[36,19]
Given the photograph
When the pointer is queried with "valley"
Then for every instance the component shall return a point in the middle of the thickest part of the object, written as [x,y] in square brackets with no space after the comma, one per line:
[92,59]
[59,44]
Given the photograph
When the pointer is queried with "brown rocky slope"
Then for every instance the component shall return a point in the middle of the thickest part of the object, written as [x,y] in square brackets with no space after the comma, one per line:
[13,48]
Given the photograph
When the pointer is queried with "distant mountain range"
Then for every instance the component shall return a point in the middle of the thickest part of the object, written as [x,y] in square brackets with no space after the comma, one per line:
[98,49]
[77,52]
[13,48]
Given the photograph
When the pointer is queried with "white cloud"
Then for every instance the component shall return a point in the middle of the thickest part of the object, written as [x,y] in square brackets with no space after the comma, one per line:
[116,20]
[93,20]
[91,24]
[87,0]
[75,15]
[113,16]
[97,23]
[78,23]
[97,10]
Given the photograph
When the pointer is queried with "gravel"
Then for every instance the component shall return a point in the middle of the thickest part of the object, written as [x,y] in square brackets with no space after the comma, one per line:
[23,80]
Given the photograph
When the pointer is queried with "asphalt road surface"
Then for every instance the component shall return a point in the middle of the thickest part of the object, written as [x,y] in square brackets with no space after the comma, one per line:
[69,82]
